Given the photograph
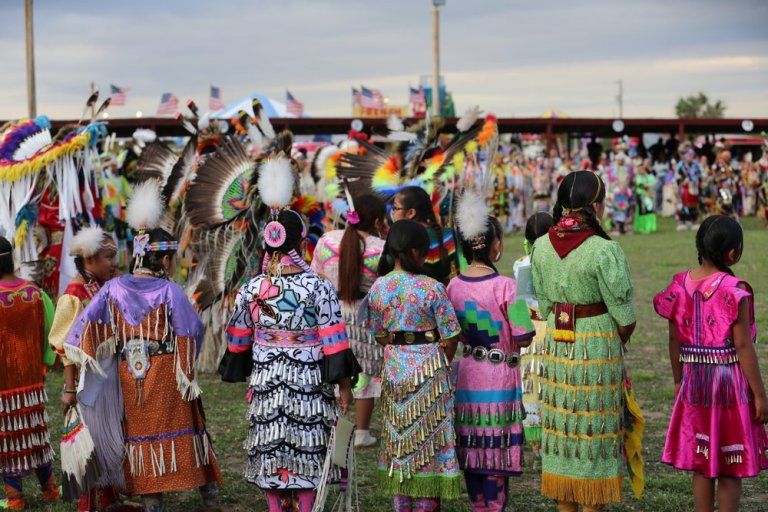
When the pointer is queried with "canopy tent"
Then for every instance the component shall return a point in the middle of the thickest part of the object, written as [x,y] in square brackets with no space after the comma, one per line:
[553,114]
[272,107]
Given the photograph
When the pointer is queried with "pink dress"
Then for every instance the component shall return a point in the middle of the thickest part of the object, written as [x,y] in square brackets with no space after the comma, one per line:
[711,430]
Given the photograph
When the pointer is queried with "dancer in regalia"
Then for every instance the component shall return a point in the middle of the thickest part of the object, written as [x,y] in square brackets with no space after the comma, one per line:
[717,425]
[26,313]
[288,324]
[136,343]
[488,389]
[412,316]
[583,286]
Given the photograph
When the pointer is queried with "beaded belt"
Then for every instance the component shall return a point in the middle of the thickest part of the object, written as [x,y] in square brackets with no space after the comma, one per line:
[708,355]
[282,338]
[494,355]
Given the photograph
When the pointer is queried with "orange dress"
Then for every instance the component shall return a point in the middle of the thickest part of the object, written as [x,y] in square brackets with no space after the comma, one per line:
[25,319]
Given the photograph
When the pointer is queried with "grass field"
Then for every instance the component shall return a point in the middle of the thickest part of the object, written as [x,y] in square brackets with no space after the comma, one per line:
[653,260]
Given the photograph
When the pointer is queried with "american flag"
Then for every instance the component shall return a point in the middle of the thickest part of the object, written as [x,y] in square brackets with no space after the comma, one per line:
[357,99]
[117,95]
[294,107]
[215,102]
[371,98]
[417,96]
[169,104]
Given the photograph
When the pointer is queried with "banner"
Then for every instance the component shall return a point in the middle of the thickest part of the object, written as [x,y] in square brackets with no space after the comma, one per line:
[369,112]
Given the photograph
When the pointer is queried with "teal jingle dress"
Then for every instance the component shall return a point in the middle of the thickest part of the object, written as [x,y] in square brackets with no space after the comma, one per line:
[582,394]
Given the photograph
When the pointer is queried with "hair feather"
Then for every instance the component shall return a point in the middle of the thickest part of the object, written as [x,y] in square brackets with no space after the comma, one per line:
[276,181]
[146,206]
[471,215]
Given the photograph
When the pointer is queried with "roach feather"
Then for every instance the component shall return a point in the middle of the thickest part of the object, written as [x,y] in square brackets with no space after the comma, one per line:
[181,172]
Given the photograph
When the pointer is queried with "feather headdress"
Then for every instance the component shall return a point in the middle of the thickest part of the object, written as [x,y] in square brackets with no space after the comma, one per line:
[89,241]
[472,215]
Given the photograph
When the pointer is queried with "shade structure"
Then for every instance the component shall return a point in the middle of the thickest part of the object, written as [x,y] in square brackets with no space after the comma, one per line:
[272,107]
[553,114]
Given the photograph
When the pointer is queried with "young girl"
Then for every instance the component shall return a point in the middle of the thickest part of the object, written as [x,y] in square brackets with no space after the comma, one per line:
[95,254]
[349,258]
[25,319]
[412,316]
[287,320]
[488,389]
[531,356]
[716,426]
[136,343]
[413,203]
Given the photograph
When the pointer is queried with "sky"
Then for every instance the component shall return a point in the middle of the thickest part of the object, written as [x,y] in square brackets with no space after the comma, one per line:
[513,58]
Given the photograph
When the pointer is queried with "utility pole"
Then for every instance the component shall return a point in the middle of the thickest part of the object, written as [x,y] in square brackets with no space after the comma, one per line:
[31,94]
[620,99]
[436,56]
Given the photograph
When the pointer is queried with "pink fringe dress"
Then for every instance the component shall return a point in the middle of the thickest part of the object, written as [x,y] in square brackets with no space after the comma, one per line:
[712,429]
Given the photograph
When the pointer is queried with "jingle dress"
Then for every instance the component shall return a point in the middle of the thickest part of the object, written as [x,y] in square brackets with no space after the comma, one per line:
[531,359]
[367,352]
[711,430]
[645,193]
[148,329]
[582,401]
[25,320]
[418,456]
[292,325]
[489,406]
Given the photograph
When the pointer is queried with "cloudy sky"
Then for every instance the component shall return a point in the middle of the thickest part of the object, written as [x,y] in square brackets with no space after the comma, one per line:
[512,57]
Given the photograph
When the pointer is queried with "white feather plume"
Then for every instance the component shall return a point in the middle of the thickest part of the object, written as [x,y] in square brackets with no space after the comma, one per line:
[205,121]
[403,136]
[265,125]
[468,119]
[86,242]
[276,182]
[146,206]
[144,136]
[254,134]
[471,215]
[395,124]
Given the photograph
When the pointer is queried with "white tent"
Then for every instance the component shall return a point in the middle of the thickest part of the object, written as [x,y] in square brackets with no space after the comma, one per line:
[272,107]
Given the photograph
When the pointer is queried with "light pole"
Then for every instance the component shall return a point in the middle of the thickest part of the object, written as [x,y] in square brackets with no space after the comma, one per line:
[31,95]
[620,99]
[436,56]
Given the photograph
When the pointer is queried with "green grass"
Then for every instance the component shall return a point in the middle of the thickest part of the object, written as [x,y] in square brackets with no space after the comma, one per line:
[653,260]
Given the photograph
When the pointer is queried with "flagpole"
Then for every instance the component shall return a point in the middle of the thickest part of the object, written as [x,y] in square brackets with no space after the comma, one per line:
[436,56]
[31,92]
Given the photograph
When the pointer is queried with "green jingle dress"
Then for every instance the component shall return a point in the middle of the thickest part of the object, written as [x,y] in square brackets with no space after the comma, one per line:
[582,393]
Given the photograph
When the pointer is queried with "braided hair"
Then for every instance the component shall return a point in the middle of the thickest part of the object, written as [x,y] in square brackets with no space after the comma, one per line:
[6,257]
[479,247]
[404,237]
[577,192]
[716,237]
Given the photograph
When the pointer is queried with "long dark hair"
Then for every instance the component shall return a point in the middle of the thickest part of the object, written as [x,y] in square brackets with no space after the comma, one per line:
[537,226]
[577,192]
[6,257]
[404,237]
[153,260]
[479,248]
[416,198]
[716,237]
[369,208]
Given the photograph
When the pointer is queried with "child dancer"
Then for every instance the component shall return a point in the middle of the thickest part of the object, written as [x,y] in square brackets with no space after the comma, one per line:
[488,389]
[531,356]
[25,319]
[411,315]
[716,426]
